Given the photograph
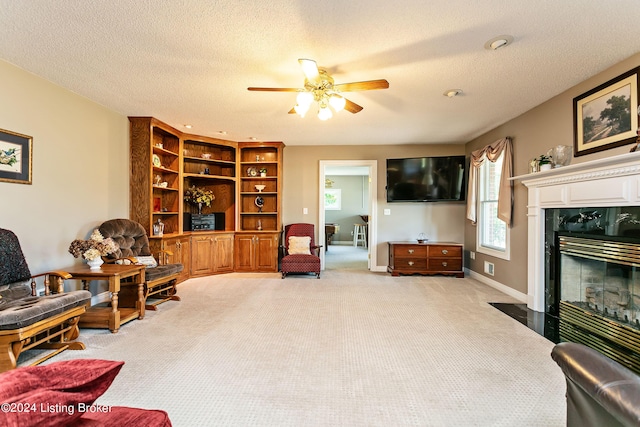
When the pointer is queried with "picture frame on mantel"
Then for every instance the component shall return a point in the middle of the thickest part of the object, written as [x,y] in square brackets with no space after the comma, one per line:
[606,116]
[15,157]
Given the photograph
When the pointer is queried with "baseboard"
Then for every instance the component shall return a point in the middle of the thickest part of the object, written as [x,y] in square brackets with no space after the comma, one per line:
[497,285]
[379,269]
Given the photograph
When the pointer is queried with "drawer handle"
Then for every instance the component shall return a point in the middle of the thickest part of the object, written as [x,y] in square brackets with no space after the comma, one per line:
[444,264]
[410,262]
[411,251]
[444,251]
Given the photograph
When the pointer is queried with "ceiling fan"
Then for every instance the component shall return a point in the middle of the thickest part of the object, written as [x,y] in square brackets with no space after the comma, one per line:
[319,87]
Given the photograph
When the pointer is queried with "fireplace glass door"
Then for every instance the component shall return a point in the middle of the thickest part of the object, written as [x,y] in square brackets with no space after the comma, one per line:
[602,277]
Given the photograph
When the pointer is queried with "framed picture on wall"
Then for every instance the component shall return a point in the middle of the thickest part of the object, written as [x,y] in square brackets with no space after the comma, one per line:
[332,199]
[606,116]
[15,157]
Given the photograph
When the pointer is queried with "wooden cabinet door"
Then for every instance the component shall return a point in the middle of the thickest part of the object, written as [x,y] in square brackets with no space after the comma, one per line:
[245,252]
[183,256]
[267,252]
[223,253]
[202,255]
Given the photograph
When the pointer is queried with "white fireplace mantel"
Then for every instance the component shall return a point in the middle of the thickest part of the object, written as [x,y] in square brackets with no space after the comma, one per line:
[612,181]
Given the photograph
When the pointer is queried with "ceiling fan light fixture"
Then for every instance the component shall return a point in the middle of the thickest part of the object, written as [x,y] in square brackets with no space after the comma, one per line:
[301,110]
[498,42]
[324,113]
[304,99]
[337,102]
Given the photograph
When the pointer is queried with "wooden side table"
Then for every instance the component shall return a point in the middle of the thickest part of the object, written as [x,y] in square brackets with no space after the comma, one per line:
[117,276]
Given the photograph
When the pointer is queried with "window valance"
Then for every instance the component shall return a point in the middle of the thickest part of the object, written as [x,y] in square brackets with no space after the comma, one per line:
[505,198]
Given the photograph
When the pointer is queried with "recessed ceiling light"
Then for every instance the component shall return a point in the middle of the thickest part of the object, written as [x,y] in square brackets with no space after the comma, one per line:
[498,42]
[223,132]
[253,138]
[451,93]
[188,126]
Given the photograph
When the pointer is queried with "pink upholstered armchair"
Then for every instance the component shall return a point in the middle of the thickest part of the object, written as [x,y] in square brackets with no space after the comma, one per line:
[301,255]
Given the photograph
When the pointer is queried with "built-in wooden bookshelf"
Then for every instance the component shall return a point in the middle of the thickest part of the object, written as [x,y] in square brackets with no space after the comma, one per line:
[166,162]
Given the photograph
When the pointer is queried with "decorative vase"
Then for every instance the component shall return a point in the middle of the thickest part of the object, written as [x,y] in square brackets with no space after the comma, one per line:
[545,167]
[94,264]
[199,208]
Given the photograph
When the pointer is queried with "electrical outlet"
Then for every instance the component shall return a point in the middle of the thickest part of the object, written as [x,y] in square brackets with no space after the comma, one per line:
[489,268]
[387,211]
[472,255]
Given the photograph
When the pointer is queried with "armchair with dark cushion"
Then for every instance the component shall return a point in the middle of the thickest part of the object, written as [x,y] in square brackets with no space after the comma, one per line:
[600,391]
[301,255]
[29,321]
[133,244]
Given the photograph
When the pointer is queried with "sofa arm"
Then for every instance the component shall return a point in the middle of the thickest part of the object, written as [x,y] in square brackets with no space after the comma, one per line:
[599,390]
[53,282]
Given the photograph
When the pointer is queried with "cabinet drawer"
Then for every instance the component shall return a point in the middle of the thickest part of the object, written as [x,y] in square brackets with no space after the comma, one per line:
[445,251]
[445,264]
[410,263]
[409,251]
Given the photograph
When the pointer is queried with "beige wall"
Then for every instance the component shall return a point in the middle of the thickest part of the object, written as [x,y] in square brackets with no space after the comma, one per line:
[80,167]
[81,173]
[533,133]
[439,221]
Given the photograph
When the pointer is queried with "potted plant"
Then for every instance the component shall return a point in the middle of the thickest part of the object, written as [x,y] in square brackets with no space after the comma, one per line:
[263,171]
[544,162]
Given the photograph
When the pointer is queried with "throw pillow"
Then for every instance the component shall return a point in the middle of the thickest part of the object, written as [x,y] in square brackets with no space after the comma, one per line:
[299,245]
[54,394]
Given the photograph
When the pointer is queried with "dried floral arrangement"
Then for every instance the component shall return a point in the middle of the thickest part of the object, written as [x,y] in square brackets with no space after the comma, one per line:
[97,246]
[198,195]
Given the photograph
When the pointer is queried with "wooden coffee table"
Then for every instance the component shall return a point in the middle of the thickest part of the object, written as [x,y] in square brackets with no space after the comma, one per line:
[118,276]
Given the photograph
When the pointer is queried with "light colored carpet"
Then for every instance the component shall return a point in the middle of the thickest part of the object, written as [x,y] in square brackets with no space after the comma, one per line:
[351,349]
[345,257]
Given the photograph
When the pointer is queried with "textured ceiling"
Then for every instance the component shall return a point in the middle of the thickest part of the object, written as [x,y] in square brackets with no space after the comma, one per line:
[191,61]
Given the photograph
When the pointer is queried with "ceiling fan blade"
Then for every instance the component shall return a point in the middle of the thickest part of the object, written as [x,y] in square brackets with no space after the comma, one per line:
[368,85]
[309,68]
[275,89]
[352,107]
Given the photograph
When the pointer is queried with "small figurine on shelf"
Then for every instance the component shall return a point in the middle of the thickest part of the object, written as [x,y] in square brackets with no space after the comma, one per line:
[259,225]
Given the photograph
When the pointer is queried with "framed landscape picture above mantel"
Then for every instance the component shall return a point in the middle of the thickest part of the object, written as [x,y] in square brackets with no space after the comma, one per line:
[606,116]
[15,157]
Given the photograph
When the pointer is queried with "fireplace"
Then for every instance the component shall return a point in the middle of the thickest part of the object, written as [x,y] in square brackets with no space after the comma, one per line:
[599,294]
[584,232]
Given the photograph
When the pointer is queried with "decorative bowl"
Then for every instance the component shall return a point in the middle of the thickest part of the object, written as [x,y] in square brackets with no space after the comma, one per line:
[259,187]
[205,155]
[561,155]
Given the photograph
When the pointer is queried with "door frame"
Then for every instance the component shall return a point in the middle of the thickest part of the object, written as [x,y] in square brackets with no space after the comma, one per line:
[372,208]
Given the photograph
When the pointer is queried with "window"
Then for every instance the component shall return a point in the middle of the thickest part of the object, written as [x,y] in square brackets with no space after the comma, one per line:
[493,233]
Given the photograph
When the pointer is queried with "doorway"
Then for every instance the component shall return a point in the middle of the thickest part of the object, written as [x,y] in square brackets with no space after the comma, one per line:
[342,243]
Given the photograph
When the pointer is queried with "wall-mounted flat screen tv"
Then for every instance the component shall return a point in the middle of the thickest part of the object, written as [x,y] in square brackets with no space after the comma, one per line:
[426,179]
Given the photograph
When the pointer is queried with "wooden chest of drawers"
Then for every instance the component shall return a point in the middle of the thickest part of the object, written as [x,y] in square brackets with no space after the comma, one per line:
[425,258]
